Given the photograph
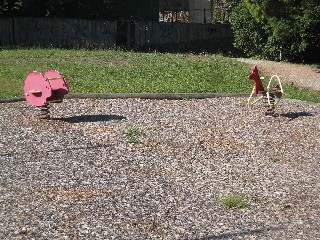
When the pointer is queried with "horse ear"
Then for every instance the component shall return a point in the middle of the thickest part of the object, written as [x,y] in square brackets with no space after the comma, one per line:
[254,68]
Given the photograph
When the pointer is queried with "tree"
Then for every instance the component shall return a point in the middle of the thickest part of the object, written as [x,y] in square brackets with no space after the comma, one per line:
[95,9]
[249,33]
[9,7]
[279,29]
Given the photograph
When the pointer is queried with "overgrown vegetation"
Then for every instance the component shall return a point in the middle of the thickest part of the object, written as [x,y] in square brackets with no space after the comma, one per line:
[277,30]
[114,71]
[94,9]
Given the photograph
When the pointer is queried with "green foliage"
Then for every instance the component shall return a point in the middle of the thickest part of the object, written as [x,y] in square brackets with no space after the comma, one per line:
[134,134]
[256,9]
[288,29]
[10,7]
[94,9]
[316,66]
[234,201]
[221,10]
[249,33]
[274,159]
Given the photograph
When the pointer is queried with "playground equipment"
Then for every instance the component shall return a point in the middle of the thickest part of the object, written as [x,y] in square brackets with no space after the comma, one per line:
[272,95]
[42,89]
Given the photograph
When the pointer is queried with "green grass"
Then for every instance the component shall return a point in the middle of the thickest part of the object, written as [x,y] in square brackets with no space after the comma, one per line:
[133,135]
[295,92]
[274,159]
[233,201]
[315,66]
[304,94]
[115,71]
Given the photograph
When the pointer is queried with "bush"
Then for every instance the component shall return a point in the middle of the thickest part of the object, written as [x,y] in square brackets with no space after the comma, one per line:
[250,35]
[281,30]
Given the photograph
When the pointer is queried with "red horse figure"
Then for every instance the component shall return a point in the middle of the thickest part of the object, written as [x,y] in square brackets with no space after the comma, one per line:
[272,95]
[258,86]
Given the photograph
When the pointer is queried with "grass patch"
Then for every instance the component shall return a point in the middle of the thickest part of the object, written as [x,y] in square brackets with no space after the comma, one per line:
[294,92]
[274,159]
[316,66]
[115,71]
[133,134]
[234,201]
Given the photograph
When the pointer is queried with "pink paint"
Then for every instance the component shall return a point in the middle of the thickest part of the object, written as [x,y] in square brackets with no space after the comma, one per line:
[41,89]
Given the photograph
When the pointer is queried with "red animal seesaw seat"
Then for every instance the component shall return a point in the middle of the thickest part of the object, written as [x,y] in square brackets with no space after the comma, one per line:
[272,95]
[42,89]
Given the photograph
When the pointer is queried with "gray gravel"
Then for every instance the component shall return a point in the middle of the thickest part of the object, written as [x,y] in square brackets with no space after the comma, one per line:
[157,169]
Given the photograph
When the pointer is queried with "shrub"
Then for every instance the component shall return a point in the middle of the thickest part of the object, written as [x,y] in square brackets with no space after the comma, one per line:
[277,30]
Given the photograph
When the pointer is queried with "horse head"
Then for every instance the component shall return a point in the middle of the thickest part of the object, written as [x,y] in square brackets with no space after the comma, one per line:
[254,75]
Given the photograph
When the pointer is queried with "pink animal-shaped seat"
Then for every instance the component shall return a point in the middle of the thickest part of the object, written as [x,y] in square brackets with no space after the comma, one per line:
[41,89]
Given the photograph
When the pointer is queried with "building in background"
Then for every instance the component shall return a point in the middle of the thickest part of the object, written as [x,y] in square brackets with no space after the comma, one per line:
[173,10]
[191,11]
[201,11]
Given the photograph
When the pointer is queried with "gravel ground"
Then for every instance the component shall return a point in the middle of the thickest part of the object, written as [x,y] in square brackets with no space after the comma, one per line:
[157,169]
[298,74]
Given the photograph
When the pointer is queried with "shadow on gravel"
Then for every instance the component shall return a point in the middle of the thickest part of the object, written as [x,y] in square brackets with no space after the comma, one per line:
[65,149]
[75,148]
[294,115]
[243,233]
[90,118]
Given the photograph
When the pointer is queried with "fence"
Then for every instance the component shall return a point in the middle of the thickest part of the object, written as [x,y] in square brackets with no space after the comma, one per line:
[181,36]
[70,33]
[80,33]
